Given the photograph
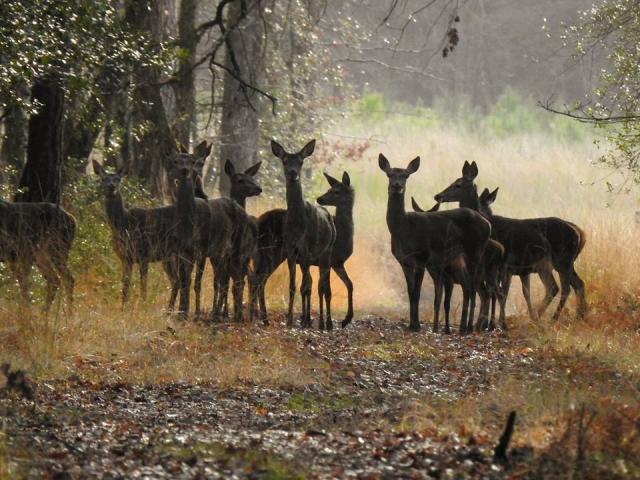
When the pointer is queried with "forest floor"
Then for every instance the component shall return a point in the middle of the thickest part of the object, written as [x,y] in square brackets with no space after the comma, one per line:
[370,401]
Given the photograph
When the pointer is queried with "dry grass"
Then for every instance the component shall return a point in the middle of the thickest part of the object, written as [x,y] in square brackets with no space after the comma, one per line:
[537,176]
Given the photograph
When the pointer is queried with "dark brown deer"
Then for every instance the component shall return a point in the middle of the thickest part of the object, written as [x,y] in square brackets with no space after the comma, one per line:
[492,265]
[447,244]
[536,245]
[341,195]
[309,232]
[163,234]
[243,185]
[38,233]
[269,255]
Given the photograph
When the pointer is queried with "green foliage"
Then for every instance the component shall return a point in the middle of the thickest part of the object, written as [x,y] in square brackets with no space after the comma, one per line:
[612,27]
[511,114]
[65,39]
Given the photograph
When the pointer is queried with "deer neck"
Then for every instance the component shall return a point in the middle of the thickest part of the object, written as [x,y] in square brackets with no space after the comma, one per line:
[295,201]
[470,199]
[396,214]
[186,202]
[238,197]
[116,212]
[344,217]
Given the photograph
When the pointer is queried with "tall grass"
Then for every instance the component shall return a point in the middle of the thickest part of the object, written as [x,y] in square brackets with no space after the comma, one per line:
[540,172]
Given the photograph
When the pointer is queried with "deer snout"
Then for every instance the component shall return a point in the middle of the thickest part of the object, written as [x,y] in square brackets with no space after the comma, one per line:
[438,197]
[396,188]
[292,175]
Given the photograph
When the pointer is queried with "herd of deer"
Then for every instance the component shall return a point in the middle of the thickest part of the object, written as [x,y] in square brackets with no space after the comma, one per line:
[468,246]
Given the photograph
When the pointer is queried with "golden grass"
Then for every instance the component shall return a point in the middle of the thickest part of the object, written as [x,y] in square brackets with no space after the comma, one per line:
[537,177]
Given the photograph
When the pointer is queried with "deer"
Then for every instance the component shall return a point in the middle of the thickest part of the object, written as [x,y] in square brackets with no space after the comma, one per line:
[492,265]
[166,234]
[446,244]
[243,185]
[309,231]
[535,245]
[342,196]
[39,233]
[269,254]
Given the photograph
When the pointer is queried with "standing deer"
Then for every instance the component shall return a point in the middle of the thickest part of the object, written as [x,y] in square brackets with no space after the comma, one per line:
[536,245]
[447,244]
[163,234]
[309,232]
[270,253]
[492,265]
[243,185]
[40,233]
[341,195]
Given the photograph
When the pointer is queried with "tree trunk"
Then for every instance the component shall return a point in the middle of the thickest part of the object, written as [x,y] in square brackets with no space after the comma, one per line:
[41,179]
[152,142]
[239,128]
[14,143]
[184,88]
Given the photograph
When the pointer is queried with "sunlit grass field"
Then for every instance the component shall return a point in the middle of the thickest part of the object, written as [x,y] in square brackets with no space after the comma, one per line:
[539,172]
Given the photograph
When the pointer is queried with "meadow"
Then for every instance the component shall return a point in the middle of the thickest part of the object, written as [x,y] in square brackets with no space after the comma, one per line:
[575,369]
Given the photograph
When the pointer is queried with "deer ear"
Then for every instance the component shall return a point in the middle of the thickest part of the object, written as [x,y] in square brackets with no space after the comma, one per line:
[277,150]
[493,195]
[346,180]
[435,208]
[413,165]
[253,170]
[229,169]
[332,181]
[99,169]
[470,171]
[308,149]
[383,163]
[473,171]
[416,207]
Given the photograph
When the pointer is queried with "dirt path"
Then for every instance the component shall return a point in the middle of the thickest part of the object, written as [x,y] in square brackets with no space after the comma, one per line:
[364,419]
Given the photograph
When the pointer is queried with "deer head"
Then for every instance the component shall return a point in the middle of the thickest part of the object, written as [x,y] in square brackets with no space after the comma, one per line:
[292,162]
[243,184]
[486,199]
[340,192]
[398,176]
[459,190]
[109,182]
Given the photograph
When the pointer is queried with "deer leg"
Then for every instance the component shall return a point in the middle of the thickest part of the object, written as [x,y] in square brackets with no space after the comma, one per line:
[197,283]
[526,291]
[344,276]
[418,276]
[437,300]
[483,317]
[50,275]
[305,291]
[238,292]
[466,299]
[68,282]
[127,268]
[448,290]
[578,286]
[327,296]
[503,292]
[169,267]
[21,269]
[291,263]
[321,294]
[144,270]
[565,289]
[185,269]
[550,287]
[261,297]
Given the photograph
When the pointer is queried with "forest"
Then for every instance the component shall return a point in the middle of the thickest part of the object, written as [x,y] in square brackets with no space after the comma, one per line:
[290,239]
